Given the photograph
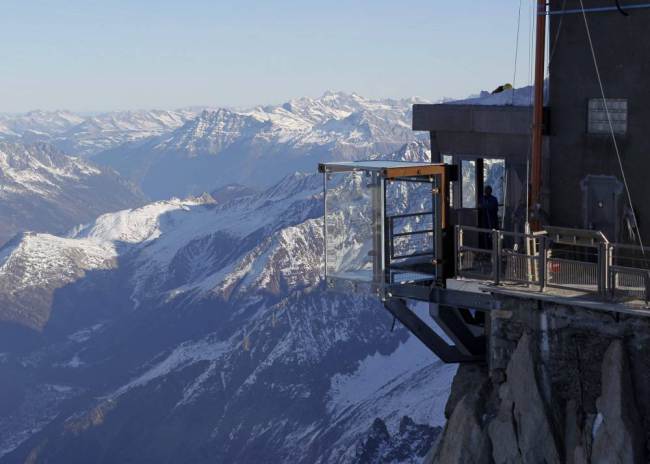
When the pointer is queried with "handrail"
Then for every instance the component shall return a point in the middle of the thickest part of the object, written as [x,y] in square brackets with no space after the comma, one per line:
[413,232]
[593,268]
[392,235]
[408,215]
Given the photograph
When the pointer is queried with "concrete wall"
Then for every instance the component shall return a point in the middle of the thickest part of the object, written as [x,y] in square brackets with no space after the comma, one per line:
[622,47]
[489,132]
[472,118]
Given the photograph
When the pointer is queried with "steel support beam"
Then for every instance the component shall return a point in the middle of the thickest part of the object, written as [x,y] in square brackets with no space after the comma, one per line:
[446,297]
[447,353]
[451,321]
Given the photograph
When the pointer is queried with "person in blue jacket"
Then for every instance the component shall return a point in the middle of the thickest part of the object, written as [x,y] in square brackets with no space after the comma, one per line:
[488,217]
[489,209]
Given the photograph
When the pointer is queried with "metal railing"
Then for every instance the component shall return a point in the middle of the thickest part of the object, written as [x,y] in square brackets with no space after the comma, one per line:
[410,249]
[609,270]
[497,255]
[629,272]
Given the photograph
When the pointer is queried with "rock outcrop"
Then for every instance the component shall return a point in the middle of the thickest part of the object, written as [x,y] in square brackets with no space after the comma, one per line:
[521,397]
[556,391]
[618,436]
[407,445]
[465,439]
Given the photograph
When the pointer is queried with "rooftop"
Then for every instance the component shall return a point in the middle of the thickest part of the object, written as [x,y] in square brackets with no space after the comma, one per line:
[388,169]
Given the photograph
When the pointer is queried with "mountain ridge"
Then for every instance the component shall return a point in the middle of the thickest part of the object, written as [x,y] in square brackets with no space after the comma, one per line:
[42,189]
[221,335]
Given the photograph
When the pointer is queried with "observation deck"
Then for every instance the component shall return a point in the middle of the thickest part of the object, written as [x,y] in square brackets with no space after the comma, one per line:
[385,223]
[388,232]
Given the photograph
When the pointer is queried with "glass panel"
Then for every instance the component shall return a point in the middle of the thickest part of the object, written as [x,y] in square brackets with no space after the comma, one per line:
[494,174]
[353,223]
[412,246]
[408,197]
[468,179]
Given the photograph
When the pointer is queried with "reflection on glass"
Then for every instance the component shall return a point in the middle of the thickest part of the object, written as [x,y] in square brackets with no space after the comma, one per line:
[494,173]
[409,207]
[372,242]
[350,224]
[449,159]
[468,179]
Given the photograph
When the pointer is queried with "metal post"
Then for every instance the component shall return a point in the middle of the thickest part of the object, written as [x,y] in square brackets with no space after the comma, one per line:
[480,182]
[376,186]
[437,207]
[388,247]
[496,256]
[458,243]
[608,264]
[538,114]
[543,245]
[610,280]
[603,269]
[325,220]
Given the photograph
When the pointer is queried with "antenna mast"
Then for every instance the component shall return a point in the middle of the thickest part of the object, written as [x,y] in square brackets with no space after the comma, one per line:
[538,114]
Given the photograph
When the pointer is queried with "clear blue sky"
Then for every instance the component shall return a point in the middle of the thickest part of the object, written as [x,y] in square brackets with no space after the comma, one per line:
[89,55]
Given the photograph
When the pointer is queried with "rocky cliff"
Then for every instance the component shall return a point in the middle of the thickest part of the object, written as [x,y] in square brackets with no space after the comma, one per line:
[563,384]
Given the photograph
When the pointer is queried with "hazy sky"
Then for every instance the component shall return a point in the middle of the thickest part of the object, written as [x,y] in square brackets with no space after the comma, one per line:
[88,55]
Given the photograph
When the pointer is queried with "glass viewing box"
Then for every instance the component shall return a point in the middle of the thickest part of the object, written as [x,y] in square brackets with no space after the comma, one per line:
[384,223]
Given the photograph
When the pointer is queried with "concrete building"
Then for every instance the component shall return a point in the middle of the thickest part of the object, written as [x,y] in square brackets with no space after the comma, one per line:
[440,244]
[582,180]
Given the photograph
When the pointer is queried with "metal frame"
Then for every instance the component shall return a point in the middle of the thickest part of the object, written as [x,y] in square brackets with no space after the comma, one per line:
[390,237]
[387,169]
[603,9]
[434,176]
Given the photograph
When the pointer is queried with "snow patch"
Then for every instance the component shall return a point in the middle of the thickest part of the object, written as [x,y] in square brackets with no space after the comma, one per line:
[184,355]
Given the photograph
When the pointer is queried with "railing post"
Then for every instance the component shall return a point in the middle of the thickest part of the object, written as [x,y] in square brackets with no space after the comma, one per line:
[496,256]
[612,277]
[388,248]
[647,287]
[603,268]
[541,272]
[458,245]
[608,276]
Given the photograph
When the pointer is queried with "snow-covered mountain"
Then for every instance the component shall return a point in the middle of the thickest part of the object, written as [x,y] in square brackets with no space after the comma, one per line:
[37,123]
[41,189]
[108,130]
[198,331]
[83,135]
[256,147]
[191,151]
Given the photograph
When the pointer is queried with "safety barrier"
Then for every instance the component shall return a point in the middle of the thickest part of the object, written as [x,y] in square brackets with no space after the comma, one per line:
[609,270]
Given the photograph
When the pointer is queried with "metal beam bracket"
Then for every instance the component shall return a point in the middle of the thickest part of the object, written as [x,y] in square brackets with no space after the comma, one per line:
[446,297]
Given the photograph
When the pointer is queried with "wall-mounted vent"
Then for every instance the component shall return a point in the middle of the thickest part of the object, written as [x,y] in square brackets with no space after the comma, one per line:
[597,115]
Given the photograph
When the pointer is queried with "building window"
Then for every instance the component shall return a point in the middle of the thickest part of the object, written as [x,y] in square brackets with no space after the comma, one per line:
[597,115]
